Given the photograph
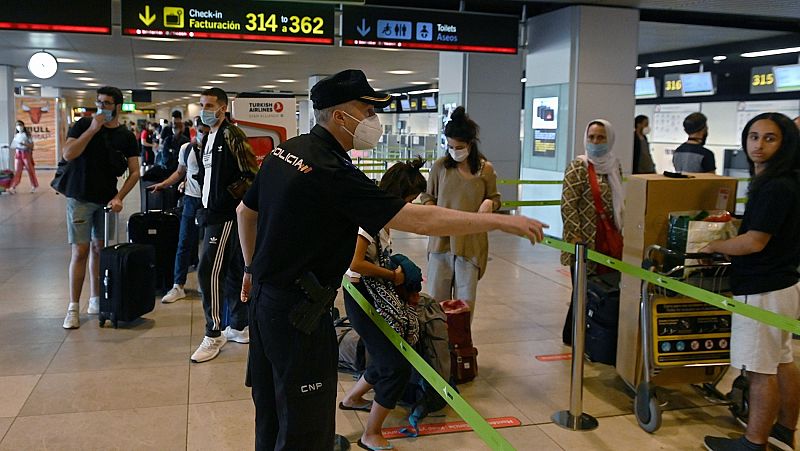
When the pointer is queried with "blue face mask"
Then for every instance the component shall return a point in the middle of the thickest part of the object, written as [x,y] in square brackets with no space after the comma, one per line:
[596,150]
[109,114]
[209,117]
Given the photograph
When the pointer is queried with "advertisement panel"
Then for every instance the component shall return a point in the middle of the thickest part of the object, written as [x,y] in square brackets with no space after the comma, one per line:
[267,119]
[545,125]
[40,115]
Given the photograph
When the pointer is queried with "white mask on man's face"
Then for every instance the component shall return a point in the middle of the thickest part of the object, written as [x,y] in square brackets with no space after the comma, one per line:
[367,133]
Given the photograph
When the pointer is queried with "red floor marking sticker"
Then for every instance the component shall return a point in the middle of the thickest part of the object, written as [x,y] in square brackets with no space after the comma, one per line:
[455,426]
[554,357]
[564,272]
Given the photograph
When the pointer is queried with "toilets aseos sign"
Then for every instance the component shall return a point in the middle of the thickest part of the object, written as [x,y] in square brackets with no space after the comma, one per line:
[267,119]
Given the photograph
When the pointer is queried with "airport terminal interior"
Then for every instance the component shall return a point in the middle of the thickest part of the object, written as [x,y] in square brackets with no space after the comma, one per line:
[532,74]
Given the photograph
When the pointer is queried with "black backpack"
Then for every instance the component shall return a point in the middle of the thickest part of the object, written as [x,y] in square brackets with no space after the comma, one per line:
[352,354]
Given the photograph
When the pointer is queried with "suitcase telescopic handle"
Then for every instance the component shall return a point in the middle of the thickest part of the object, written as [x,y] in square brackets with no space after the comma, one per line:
[110,217]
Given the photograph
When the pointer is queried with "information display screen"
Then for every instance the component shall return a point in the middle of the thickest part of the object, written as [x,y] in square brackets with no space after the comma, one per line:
[645,88]
[375,26]
[405,105]
[92,16]
[240,20]
[787,78]
[697,84]
[429,103]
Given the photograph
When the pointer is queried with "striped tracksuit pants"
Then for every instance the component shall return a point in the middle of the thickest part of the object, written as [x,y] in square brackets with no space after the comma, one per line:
[219,276]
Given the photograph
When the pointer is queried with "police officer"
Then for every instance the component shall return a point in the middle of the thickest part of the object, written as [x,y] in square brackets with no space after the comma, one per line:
[306,205]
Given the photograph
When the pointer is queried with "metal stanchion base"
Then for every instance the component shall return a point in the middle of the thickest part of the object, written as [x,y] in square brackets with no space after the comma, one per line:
[566,420]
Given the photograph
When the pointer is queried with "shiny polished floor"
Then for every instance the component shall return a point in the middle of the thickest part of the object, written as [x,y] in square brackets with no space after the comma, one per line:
[135,389]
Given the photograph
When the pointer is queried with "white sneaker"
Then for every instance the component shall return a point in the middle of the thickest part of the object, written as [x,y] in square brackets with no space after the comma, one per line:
[12,190]
[239,336]
[173,295]
[33,189]
[209,348]
[94,306]
[73,320]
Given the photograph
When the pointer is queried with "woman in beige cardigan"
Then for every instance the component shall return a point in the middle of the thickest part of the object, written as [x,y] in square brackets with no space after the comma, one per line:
[462,180]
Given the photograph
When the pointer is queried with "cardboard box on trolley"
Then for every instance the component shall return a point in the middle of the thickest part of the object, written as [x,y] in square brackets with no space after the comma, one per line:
[649,199]
[267,119]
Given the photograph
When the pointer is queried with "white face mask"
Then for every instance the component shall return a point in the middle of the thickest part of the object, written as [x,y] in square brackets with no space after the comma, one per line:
[646,131]
[459,154]
[367,133]
[20,128]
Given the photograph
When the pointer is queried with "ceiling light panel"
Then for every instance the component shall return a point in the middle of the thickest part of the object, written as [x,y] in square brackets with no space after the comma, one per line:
[674,63]
[269,52]
[244,66]
[159,56]
[763,52]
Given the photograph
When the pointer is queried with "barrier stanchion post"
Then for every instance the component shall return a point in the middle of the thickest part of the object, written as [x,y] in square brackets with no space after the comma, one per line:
[574,418]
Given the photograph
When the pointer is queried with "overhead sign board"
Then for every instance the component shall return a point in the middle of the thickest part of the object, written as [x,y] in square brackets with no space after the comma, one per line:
[762,80]
[93,16]
[422,29]
[239,20]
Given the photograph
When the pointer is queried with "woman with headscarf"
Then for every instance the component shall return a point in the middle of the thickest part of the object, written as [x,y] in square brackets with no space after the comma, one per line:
[578,208]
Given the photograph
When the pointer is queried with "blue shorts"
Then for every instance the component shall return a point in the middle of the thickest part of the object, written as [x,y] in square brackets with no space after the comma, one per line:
[85,221]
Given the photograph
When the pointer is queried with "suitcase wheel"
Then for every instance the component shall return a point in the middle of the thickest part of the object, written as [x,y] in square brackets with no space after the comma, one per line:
[101,318]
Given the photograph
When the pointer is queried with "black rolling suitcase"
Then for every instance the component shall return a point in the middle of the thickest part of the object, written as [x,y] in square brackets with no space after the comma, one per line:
[160,230]
[602,317]
[127,278]
[162,200]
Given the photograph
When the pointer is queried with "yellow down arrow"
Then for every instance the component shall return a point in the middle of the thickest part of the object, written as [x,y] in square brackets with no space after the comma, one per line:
[147,19]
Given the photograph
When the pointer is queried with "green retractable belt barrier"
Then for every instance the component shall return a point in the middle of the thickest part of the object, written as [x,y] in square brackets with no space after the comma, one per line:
[717,300]
[488,434]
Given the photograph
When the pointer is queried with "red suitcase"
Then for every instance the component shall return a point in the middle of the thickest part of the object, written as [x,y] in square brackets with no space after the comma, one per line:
[458,328]
[464,364]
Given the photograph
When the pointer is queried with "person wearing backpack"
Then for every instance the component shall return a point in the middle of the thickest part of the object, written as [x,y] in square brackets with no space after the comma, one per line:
[188,160]
[168,153]
[98,151]
[387,371]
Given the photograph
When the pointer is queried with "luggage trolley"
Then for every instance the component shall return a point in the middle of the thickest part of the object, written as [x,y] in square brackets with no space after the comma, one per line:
[678,331]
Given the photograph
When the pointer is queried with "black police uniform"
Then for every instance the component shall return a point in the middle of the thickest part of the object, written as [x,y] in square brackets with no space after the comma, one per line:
[310,201]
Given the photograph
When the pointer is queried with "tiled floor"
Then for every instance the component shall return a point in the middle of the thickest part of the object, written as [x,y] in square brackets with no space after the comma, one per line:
[135,389]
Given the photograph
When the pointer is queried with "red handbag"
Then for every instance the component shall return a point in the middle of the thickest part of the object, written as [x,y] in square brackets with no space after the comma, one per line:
[608,239]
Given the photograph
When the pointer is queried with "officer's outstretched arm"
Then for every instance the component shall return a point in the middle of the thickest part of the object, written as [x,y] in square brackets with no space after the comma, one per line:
[438,221]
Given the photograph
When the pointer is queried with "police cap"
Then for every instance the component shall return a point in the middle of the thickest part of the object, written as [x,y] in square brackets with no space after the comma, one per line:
[347,85]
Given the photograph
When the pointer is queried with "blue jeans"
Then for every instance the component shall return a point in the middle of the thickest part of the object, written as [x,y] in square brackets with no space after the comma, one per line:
[187,239]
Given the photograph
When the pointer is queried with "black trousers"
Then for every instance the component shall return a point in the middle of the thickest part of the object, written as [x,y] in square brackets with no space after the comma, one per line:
[387,369]
[293,375]
[219,275]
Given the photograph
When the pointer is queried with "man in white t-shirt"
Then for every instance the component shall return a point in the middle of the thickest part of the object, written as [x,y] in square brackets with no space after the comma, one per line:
[228,166]
[188,168]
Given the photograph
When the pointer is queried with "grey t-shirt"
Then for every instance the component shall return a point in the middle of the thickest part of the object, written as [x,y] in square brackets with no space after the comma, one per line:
[690,157]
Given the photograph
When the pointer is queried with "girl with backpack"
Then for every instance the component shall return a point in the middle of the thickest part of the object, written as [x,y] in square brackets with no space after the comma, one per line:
[387,371]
